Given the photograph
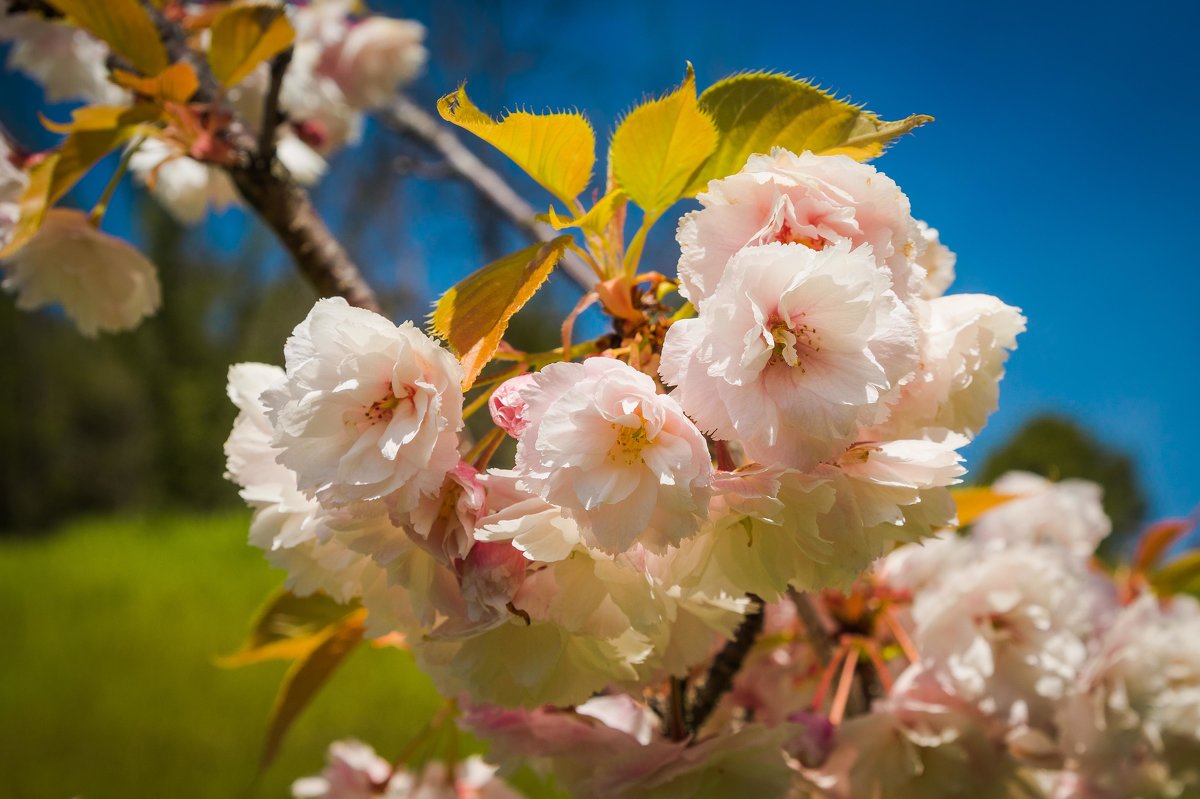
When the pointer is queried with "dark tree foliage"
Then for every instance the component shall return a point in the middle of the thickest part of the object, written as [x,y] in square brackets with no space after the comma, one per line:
[1059,448]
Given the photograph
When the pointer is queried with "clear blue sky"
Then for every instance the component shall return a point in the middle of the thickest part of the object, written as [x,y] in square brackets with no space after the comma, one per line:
[1061,167]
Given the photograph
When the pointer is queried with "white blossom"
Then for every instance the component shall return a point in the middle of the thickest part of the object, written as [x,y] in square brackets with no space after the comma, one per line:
[794,351]
[370,410]
[620,459]
[103,284]
[812,200]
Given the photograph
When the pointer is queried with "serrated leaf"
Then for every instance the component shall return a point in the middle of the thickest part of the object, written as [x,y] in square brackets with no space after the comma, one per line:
[244,36]
[597,217]
[659,146]
[558,149]
[473,315]
[122,24]
[305,678]
[974,502]
[175,84]
[1180,576]
[757,111]
[288,627]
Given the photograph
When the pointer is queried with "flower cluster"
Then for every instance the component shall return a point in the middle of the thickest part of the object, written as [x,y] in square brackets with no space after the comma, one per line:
[340,66]
[808,419]
[354,771]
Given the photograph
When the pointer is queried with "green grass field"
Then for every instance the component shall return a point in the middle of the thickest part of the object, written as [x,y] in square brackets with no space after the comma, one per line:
[107,685]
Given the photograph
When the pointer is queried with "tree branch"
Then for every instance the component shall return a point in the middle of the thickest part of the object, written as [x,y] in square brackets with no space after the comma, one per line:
[271,191]
[725,667]
[408,118]
[272,115]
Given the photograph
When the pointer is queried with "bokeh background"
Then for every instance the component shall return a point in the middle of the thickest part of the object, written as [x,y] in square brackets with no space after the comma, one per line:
[1060,169]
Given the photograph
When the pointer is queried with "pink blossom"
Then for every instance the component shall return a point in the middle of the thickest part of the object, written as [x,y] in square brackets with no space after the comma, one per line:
[507,406]
[812,200]
[620,459]
[793,352]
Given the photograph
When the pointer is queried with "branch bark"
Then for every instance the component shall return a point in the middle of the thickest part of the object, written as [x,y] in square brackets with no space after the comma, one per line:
[273,194]
[725,667]
[408,118]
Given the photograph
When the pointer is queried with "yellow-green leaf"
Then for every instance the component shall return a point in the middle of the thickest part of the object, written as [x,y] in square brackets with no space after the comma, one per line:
[558,150]
[660,145]
[596,219]
[243,36]
[93,133]
[306,677]
[974,502]
[97,132]
[757,111]
[124,25]
[32,205]
[1180,576]
[288,627]
[175,84]
[473,315]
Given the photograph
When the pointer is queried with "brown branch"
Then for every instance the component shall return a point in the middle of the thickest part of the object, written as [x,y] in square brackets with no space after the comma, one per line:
[272,192]
[408,118]
[272,115]
[725,667]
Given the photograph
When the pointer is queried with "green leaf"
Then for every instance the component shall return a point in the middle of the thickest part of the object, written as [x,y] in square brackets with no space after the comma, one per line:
[305,678]
[757,111]
[660,145]
[596,219]
[243,36]
[473,315]
[288,627]
[558,150]
[124,25]
[1180,576]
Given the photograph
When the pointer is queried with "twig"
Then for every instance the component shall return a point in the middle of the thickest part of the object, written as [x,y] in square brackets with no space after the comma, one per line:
[272,115]
[408,118]
[725,667]
[817,636]
[273,194]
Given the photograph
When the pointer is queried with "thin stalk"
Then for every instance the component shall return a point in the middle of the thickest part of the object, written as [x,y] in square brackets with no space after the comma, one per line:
[101,207]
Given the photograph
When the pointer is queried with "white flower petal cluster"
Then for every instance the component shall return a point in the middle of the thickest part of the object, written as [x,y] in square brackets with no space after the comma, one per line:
[355,771]
[822,344]
[68,62]
[369,411]
[1049,672]
[102,283]
[13,181]
[793,351]
[620,459]
[341,67]
[612,553]
[804,199]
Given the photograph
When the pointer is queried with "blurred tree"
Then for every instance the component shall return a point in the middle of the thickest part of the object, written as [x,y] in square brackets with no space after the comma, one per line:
[1058,448]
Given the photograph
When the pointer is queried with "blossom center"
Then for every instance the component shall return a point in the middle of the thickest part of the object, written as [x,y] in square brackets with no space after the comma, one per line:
[382,410]
[793,337]
[788,236]
[629,444]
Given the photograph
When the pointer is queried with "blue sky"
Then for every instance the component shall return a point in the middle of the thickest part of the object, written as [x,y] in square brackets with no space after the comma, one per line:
[1061,167]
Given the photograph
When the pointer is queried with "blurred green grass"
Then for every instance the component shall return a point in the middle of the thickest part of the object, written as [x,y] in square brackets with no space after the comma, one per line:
[107,683]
